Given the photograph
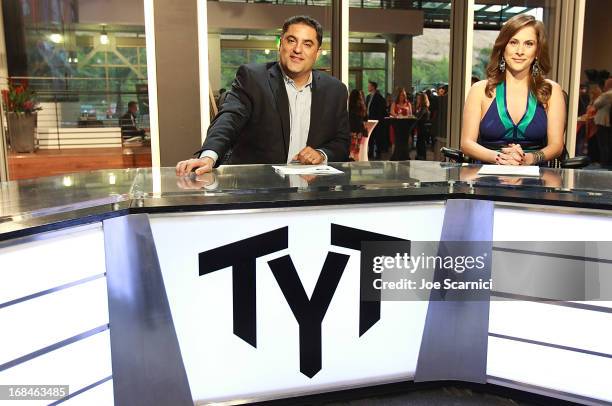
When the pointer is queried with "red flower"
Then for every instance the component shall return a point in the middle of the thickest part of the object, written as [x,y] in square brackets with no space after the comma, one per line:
[19,99]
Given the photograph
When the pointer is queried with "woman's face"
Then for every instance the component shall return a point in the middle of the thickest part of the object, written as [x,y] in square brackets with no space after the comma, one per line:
[521,50]
[402,97]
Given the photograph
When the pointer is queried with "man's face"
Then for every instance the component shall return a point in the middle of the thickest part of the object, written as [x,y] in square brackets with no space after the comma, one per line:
[134,109]
[299,49]
[370,88]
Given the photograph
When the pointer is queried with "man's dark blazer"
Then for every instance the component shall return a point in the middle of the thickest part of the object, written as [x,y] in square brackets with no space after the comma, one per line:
[254,119]
[378,107]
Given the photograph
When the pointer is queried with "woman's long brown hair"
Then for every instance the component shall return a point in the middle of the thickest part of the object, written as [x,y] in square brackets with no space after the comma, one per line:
[399,94]
[357,104]
[538,85]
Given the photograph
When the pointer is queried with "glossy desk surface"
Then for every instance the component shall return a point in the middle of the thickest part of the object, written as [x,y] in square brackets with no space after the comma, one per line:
[36,205]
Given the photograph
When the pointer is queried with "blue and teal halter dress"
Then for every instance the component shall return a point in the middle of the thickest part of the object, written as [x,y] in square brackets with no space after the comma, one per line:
[497,129]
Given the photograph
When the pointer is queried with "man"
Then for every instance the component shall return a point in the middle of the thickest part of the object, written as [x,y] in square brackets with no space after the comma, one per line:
[127,122]
[603,104]
[377,110]
[280,112]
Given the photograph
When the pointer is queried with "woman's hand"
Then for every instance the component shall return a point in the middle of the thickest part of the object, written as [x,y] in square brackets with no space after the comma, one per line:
[507,159]
[515,152]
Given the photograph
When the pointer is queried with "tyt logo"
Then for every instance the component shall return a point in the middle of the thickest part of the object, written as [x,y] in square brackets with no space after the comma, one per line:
[309,313]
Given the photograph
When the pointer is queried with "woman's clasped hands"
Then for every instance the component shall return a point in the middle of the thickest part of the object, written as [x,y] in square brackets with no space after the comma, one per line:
[513,154]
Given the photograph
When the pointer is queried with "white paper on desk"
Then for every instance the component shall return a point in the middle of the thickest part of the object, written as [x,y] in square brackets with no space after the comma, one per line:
[305,170]
[509,170]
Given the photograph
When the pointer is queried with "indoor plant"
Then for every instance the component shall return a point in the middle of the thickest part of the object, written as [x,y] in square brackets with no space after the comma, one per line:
[21,108]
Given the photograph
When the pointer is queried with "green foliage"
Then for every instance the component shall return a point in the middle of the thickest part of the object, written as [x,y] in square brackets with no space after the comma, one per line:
[375,75]
[374,60]
[480,62]
[324,61]
[427,73]
[354,59]
[233,57]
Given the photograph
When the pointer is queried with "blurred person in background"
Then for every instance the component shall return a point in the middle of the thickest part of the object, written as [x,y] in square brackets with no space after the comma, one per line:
[127,122]
[421,111]
[377,110]
[357,117]
[602,121]
[401,107]
[589,124]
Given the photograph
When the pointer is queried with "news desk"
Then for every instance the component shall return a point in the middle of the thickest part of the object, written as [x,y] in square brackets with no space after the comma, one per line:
[137,287]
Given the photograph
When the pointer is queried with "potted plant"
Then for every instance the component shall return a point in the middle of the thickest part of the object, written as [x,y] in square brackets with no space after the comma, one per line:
[21,111]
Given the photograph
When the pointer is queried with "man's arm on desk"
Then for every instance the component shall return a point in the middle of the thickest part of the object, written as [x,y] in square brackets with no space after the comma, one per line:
[225,128]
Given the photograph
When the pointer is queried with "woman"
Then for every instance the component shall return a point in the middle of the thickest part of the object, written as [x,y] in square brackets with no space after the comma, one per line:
[422,115]
[357,117]
[401,129]
[516,116]
[401,107]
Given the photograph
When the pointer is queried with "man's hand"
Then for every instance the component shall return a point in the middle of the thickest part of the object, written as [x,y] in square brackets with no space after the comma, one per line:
[309,156]
[202,165]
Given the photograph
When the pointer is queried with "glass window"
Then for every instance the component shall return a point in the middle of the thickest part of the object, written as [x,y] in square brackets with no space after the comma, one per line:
[325,62]
[113,59]
[142,54]
[430,63]
[262,55]
[595,68]
[227,77]
[233,57]
[374,60]
[402,56]
[232,45]
[86,83]
[129,53]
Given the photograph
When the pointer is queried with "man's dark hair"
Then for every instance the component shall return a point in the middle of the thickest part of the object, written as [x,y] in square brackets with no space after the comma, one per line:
[132,103]
[374,84]
[305,20]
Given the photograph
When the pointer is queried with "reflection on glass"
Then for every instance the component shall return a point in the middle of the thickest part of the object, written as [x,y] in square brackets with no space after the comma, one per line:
[549,178]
